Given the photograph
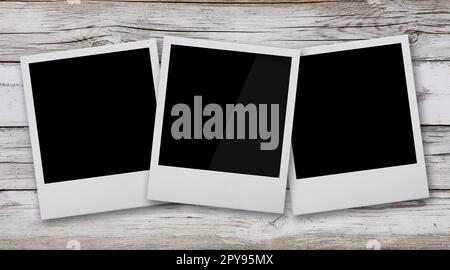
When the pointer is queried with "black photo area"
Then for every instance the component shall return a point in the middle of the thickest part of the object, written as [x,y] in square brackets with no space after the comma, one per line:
[352,112]
[94,114]
[224,77]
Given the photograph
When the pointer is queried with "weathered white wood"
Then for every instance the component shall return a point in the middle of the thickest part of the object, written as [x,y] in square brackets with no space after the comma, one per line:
[433,92]
[36,27]
[432,86]
[16,167]
[30,28]
[12,100]
[409,225]
[436,142]
[17,176]
[15,145]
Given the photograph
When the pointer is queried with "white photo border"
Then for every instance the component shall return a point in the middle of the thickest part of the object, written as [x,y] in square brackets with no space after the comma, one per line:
[368,187]
[94,194]
[214,188]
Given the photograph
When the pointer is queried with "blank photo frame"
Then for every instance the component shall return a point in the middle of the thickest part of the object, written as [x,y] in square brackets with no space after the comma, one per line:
[356,138]
[91,115]
[202,154]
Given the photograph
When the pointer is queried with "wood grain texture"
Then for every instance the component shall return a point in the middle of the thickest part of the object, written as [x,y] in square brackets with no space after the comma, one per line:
[409,225]
[268,2]
[16,162]
[432,87]
[30,27]
[36,27]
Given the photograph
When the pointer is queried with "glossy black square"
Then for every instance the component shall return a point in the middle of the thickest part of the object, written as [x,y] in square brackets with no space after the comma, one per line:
[224,77]
[352,112]
[94,114]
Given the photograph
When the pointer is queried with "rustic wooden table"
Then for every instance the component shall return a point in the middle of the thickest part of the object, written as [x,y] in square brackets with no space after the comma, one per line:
[42,26]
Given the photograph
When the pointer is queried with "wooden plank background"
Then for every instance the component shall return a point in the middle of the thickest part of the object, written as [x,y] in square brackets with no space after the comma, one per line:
[30,27]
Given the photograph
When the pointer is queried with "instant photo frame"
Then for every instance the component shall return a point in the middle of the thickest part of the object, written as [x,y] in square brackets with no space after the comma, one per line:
[72,179]
[340,167]
[230,178]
